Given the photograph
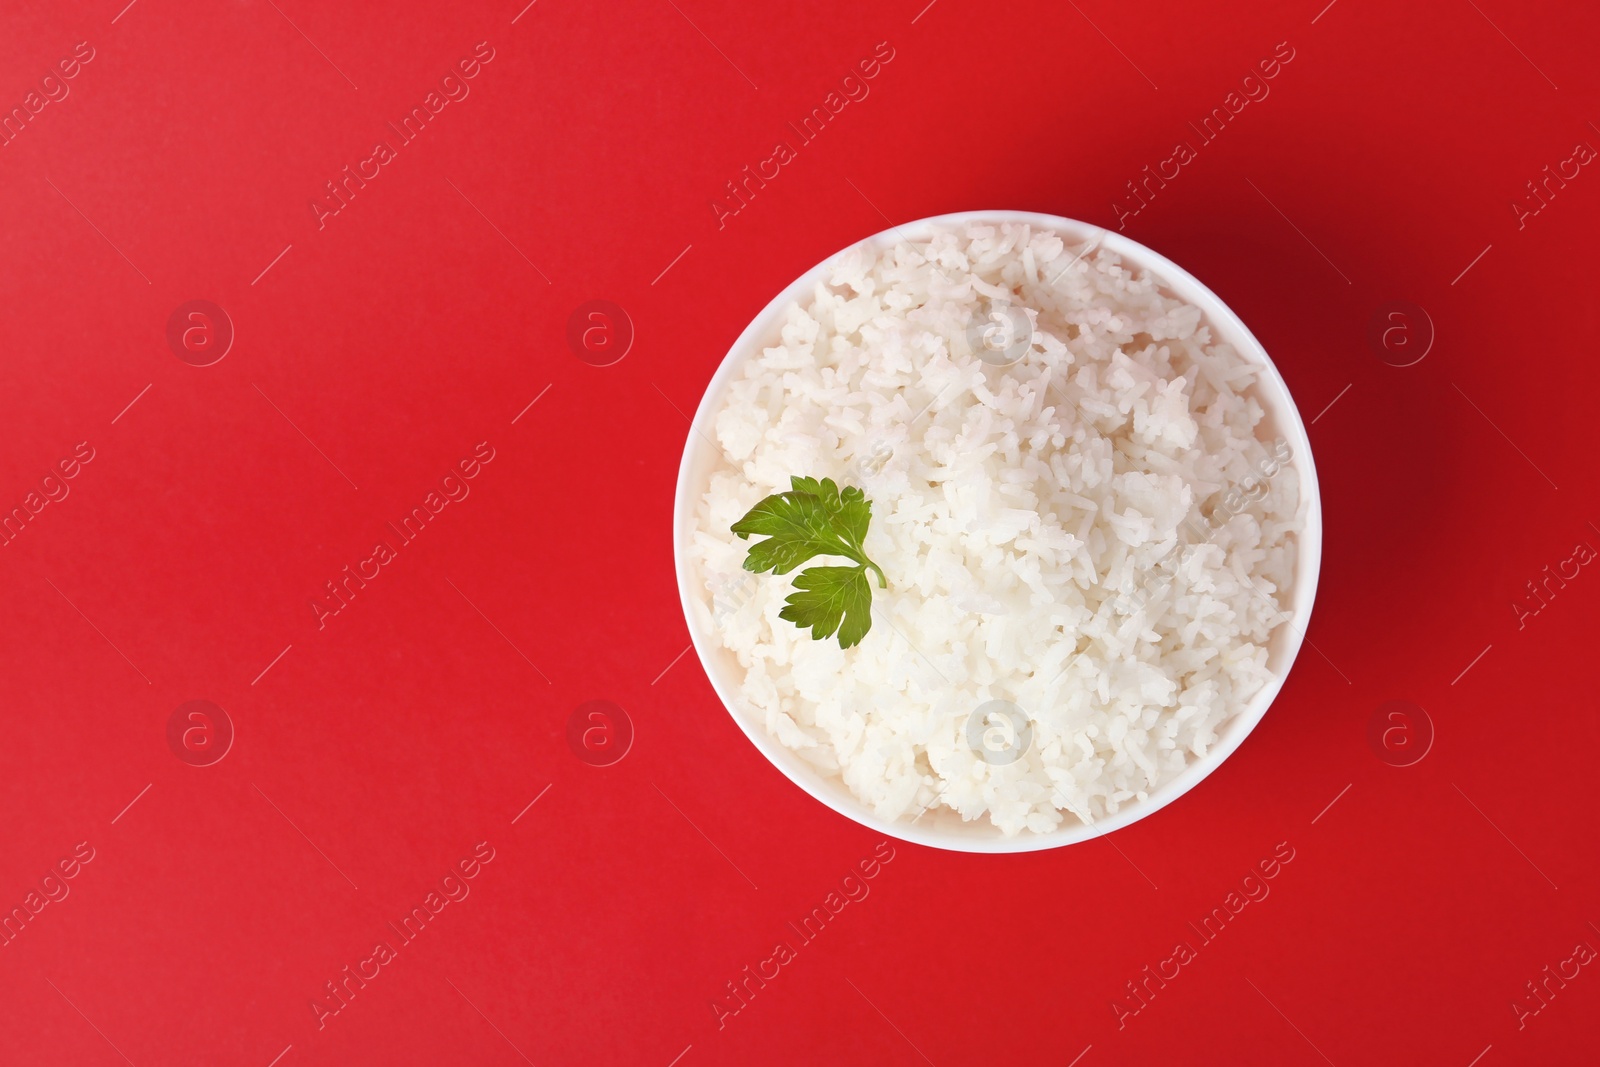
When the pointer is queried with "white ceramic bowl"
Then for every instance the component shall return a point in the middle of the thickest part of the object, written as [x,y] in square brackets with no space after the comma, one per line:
[940,827]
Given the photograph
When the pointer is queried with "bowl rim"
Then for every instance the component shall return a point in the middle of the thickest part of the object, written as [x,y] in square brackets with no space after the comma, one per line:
[1226,326]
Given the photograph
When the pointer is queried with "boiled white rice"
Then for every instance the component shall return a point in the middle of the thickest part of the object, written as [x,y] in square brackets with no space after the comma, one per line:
[1068,533]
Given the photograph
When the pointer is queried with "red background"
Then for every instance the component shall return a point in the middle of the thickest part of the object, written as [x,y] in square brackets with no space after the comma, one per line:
[427,715]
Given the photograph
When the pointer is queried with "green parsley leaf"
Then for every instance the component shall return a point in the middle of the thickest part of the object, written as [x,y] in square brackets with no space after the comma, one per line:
[816,518]
[831,598]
